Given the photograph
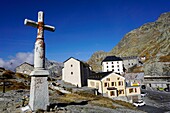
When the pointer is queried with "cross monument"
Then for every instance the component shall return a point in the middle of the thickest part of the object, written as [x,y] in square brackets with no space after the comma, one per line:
[39,95]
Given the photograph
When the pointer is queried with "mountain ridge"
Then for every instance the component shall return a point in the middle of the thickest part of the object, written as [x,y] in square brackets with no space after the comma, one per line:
[151,40]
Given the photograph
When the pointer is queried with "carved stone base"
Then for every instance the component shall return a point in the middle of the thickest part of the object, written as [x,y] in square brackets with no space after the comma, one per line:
[39,95]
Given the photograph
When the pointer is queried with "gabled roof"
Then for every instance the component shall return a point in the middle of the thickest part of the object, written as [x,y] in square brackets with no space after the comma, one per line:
[99,76]
[25,63]
[84,63]
[112,58]
[70,58]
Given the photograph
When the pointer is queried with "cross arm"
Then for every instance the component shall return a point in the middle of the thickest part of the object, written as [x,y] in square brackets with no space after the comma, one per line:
[31,23]
[49,28]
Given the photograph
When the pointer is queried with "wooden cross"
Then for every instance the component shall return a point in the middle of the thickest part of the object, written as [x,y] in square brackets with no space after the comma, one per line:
[40,25]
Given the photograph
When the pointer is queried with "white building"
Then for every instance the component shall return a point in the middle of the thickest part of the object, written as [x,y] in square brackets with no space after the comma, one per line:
[75,72]
[114,86]
[112,63]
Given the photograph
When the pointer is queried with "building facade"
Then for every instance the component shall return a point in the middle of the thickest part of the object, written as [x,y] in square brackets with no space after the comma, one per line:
[75,72]
[130,61]
[24,68]
[113,86]
[112,63]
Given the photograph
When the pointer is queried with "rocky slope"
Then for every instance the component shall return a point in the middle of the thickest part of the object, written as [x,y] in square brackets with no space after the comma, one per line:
[151,40]
[54,67]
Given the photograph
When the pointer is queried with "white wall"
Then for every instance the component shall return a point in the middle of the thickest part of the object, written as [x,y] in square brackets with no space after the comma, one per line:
[71,72]
[115,66]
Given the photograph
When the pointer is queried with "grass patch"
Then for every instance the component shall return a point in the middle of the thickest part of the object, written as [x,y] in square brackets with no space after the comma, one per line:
[164,59]
[97,101]
[23,76]
[125,104]
[103,102]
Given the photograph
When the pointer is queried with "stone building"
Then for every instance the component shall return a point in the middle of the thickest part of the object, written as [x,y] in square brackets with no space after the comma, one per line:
[75,72]
[24,68]
[130,61]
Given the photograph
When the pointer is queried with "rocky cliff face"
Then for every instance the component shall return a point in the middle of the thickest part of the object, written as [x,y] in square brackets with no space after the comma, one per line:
[151,40]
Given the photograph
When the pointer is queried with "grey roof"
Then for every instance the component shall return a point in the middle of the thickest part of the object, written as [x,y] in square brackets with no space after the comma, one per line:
[99,76]
[112,58]
[129,57]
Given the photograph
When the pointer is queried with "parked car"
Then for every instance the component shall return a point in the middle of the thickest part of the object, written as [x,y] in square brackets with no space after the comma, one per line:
[139,103]
[143,94]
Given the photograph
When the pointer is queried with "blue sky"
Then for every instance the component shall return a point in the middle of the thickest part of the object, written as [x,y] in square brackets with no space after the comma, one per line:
[82,26]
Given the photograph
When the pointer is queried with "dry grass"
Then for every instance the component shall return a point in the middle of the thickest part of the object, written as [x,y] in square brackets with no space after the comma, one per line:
[125,104]
[9,74]
[164,59]
[92,99]
[68,98]
[22,76]
[138,69]
[103,102]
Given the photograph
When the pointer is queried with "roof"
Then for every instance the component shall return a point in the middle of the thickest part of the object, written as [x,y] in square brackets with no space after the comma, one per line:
[129,57]
[84,63]
[25,63]
[112,58]
[99,76]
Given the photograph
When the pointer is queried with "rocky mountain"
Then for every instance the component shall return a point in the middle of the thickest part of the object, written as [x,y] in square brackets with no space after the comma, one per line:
[151,40]
[54,67]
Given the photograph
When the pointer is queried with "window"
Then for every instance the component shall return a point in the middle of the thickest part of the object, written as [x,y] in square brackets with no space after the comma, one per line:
[107,66]
[118,78]
[112,83]
[117,62]
[112,62]
[117,69]
[132,63]
[112,66]
[112,69]
[71,65]
[105,84]
[120,83]
[130,90]
[107,79]
[112,93]
[71,73]
[117,65]
[135,90]
[121,91]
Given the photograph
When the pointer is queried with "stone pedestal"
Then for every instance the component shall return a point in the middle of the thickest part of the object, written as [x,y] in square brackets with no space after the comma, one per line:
[39,95]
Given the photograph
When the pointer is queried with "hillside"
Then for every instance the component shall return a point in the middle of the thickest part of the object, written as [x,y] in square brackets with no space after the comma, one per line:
[151,40]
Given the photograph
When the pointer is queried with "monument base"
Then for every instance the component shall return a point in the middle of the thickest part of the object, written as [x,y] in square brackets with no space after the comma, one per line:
[39,95]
